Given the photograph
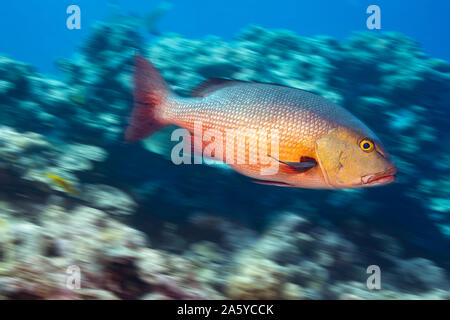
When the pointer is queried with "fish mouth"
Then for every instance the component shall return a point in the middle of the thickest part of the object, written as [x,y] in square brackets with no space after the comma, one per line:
[380,178]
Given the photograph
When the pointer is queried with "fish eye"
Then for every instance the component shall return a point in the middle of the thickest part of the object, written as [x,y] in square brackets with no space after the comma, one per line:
[366,145]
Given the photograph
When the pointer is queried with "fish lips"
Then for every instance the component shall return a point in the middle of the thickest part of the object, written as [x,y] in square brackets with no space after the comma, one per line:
[380,178]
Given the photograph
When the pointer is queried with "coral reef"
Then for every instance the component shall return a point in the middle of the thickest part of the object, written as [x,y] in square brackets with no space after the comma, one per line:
[73,194]
[31,167]
[119,262]
[296,259]
[114,260]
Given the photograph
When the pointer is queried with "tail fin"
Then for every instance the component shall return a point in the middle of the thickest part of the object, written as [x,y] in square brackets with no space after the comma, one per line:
[150,95]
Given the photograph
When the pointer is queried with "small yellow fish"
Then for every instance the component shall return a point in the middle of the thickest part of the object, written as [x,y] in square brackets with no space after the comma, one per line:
[64,184]
[80,99]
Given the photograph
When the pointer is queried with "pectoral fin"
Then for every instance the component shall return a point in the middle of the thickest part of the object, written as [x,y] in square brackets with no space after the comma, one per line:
[303,165]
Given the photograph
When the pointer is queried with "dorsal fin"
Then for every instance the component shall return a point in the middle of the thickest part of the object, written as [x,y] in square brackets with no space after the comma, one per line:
[211,85]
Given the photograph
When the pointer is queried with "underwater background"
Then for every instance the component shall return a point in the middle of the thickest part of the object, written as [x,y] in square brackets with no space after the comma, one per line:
[75,196]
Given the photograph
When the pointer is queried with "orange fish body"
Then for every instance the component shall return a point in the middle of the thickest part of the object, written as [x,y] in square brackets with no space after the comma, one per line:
[271,133]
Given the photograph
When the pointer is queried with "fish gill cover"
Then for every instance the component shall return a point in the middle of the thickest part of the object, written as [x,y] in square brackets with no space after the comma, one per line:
[140,227]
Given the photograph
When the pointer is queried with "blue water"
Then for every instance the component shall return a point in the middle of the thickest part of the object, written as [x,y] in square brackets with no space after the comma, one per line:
[74,129]
[35,31]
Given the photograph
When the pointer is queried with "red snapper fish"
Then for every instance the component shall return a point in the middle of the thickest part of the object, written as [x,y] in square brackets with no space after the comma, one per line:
[318,144]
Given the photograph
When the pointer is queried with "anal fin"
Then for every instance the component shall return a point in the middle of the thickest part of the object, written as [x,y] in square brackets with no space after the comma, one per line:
[272,183]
